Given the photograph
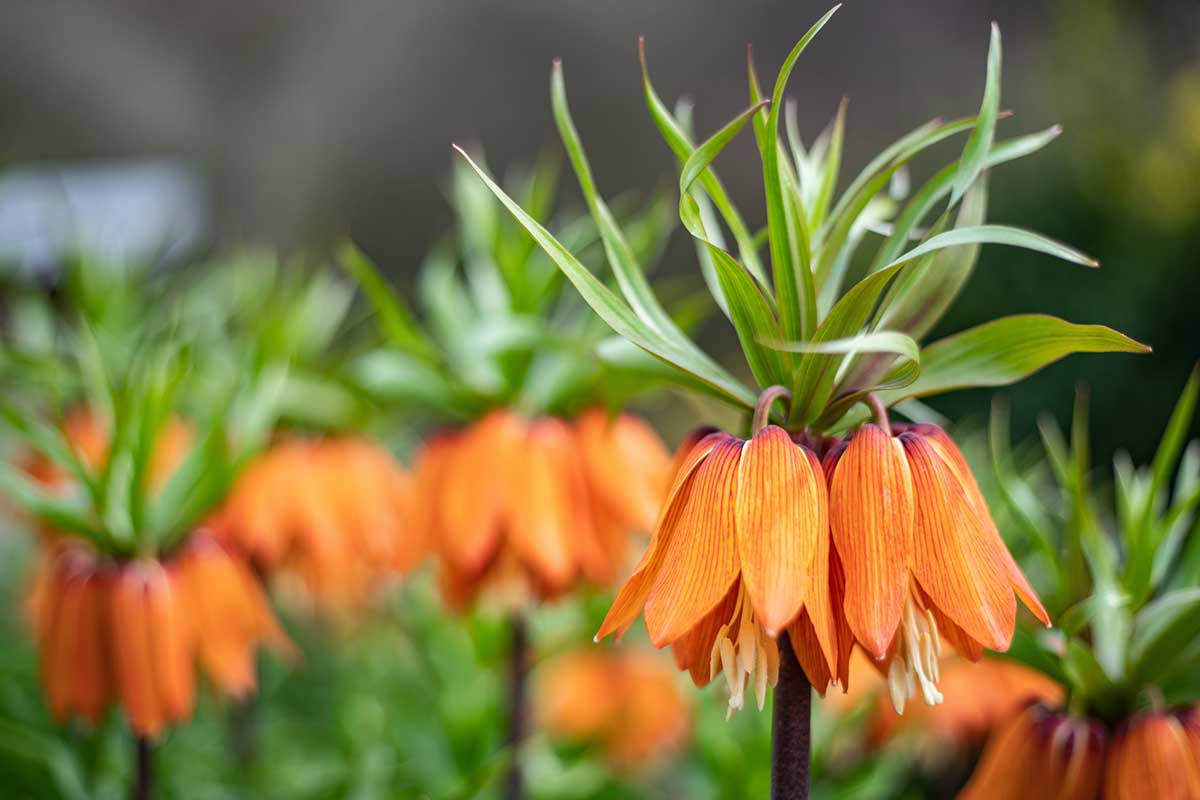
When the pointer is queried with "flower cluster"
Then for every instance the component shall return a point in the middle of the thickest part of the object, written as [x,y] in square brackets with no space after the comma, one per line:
[330,518]
[525,508]
[135,631]
[1153,754]
[879,538]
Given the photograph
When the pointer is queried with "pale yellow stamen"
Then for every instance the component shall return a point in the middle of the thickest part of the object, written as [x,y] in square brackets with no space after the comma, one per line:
[916,657]
[743,649]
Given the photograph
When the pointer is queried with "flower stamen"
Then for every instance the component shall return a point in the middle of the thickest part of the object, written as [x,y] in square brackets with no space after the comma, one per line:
[743,649]
[915,659]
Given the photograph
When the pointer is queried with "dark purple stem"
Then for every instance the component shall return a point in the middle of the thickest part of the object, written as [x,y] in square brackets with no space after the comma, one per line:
[791,736]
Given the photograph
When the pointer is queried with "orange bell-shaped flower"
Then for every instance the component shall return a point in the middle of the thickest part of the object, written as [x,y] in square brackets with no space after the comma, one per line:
[1154,754]
[1042,755]
[524,509]
[330,518]
[741,551]
[922,557]
[626,702]
[134,632]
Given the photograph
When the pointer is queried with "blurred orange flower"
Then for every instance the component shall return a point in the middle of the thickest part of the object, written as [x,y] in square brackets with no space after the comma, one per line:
[88,436]
[133,632]
[523,509]
[328,518]
[1043,754]
[923,559]
[741,552]
[979,697]
[1155,754]
[626,702]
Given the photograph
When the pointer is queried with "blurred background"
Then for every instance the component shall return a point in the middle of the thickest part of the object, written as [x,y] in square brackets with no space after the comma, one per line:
[297,125]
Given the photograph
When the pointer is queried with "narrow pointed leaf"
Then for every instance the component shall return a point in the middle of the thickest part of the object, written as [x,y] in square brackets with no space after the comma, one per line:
[1006,350]
[617,314]
[977,147]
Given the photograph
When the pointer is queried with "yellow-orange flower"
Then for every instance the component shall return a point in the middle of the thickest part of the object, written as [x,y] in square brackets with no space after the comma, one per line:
[627,702]
[740,553]
[133,632]
[923,559]
[1042,755]
[332,515]
[1155,754]
[524,508]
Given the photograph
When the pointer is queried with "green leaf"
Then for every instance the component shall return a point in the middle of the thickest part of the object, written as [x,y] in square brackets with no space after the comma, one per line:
[795,295]
[975,153]
[919,298]
[1161,629]
[939,186]
[619,316]
[676,136]
[1006,350]
[60,513]
[751,313]
[399,377]
[395,318]
[1084,673]
[816,370]
[630,278]
[50,442]
[999,234]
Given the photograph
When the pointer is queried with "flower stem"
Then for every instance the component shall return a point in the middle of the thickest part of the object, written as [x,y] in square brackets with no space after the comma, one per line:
[143,776]
[880,412]
[518,673]
[762,409]
[791,737]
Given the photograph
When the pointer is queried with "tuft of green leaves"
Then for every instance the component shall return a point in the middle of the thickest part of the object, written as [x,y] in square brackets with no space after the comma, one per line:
[830,322]
[1123,577]
[496,326]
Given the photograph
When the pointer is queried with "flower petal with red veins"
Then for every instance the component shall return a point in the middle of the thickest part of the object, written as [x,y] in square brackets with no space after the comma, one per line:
[171,645]
[782,513]
[871,517]
[952,559]
[693,650]
[626,464]
[957,463]
[701,561]
[632,596]
[810,653]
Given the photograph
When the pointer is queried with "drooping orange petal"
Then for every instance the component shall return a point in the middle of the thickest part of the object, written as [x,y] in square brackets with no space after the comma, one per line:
[701,560]
[542,519]
[693,650]
[626,464]
[93,689]
[171,645]
[60,670]
[810,653]
[871,517]
[958,465]
[1014,762]
[952,559]
[134,657]
[632,596]
[473,490]
[782,514]
[1152,757]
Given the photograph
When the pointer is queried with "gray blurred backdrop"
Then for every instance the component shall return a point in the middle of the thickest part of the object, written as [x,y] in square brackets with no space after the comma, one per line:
[312,119]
